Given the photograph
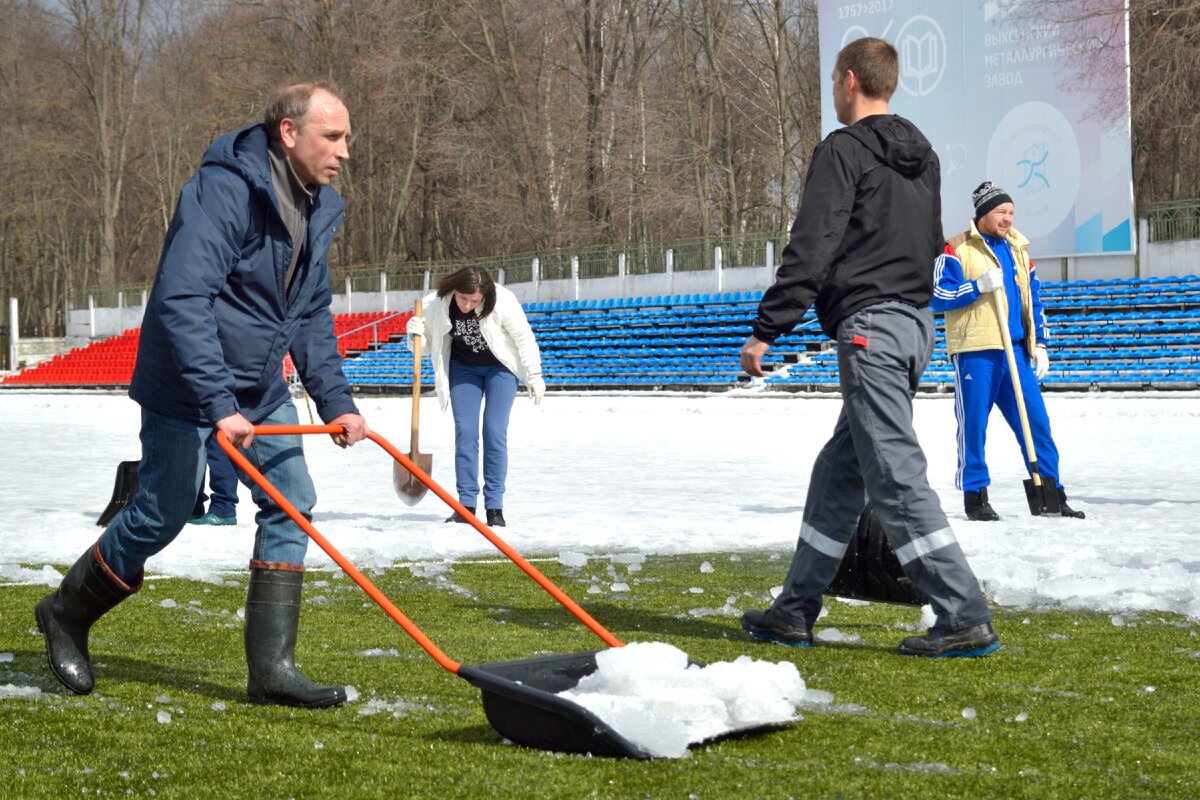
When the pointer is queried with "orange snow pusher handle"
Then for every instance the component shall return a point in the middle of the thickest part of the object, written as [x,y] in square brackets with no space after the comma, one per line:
[372,591]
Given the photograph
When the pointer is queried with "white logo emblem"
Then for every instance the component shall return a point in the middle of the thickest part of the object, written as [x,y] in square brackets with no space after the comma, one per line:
[922,46]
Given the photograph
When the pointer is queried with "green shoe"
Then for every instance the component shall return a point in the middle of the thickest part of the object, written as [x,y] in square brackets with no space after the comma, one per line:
[212,519]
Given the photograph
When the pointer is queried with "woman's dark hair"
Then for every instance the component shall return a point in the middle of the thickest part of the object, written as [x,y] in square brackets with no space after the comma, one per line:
[470,280]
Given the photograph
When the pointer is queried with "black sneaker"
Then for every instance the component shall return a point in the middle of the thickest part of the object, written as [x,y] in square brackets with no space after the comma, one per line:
[495,517]
[1065,509]
[457,517]
[764,625]
[978,508]
[969,643]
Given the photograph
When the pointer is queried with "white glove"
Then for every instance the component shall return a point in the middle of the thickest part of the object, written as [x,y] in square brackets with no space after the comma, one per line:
[415,327]
[1041,362]
[537,388]
[990,281]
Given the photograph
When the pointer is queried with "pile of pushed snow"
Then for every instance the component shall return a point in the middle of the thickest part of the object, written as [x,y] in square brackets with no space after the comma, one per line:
[649,694]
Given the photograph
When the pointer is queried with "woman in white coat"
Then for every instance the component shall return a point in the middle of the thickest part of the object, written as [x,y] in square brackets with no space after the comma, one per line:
[481,346]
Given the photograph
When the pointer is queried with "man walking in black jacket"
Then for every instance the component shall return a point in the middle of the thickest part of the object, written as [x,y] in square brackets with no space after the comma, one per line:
[869,226]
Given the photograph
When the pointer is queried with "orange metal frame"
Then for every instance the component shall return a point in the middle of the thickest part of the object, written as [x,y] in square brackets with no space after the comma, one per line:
[372,591]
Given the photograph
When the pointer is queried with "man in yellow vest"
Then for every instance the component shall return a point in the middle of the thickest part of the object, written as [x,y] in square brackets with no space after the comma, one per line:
[992,255]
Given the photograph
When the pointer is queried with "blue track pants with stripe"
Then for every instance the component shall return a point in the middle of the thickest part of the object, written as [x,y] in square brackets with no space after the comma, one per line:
[981,380]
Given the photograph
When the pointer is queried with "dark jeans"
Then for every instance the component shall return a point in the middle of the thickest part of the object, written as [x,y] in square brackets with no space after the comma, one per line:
[171,469]
[222,480]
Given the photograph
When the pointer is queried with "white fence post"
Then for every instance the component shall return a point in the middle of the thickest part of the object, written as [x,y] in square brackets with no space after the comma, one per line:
[349,297]
[91,316]
[13,333]
[717,254]
[428,279]
[670,261]
[621,266]
[575,276]
[383,289]
[500,275]
[770,259]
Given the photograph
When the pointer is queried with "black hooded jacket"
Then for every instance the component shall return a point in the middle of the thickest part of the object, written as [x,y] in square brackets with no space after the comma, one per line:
[868,229]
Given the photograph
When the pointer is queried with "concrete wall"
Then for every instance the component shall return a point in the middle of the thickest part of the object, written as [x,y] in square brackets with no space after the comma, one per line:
[1167,258]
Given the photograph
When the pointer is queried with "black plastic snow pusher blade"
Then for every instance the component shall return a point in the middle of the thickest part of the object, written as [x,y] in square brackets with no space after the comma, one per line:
[124,488]
[521,701]
[871,571]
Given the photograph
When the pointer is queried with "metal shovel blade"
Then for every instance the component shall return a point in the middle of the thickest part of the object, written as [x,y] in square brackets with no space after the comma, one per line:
[408,488]
[1043,499]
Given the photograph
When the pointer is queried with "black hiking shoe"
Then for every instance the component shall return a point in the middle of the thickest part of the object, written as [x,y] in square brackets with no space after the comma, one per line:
[764,625]
[495,517]
[1065,509]
[457,517]
[978,508]
[969,643]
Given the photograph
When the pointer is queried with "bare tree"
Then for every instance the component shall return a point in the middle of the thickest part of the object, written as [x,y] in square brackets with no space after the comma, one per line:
[104,53]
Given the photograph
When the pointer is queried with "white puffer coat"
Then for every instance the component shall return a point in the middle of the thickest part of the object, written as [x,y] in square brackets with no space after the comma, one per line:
[506,331]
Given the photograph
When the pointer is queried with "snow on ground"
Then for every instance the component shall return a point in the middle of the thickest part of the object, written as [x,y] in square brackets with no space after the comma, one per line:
[636,474]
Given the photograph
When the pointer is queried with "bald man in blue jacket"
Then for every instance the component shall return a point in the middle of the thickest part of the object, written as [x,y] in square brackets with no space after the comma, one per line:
[243,281]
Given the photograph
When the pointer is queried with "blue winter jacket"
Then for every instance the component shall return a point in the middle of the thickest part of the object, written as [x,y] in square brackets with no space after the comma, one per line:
[219,319]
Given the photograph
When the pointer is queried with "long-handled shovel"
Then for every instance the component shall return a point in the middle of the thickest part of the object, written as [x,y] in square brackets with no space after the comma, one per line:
[520,698]
[408,488]
[1043,498]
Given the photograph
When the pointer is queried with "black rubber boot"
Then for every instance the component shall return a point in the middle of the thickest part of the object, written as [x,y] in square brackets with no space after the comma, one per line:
[457,517]
[64,617]
[495,517]
[272,615]
[978,508]
[1065,509]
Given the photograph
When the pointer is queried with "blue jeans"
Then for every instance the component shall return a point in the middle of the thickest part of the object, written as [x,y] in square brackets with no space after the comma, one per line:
[222,482]
[170,473]
[468,388]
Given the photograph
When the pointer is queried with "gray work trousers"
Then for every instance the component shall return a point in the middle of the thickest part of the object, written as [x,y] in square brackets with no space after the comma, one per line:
[874,454]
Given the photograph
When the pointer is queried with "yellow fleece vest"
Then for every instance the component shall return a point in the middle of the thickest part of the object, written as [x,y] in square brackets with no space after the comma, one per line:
[977,327]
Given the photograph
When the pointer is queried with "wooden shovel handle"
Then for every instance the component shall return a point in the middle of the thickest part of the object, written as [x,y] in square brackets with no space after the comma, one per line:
[1001,304]
[416,384]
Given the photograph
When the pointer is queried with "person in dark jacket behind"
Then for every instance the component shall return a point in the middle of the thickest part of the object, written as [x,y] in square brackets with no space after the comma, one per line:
[243,280]
[868,226]
[223,483]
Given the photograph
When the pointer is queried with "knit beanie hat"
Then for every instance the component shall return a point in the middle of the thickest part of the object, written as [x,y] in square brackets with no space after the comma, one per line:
[987,196]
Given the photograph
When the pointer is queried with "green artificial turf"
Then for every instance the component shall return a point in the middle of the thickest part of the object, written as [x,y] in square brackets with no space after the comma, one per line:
[1075,705]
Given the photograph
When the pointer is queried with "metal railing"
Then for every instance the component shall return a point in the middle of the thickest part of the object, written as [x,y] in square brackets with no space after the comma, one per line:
[1174,221]
[644,258]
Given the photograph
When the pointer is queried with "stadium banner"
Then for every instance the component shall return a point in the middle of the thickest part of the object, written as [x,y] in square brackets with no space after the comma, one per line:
[998,94]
